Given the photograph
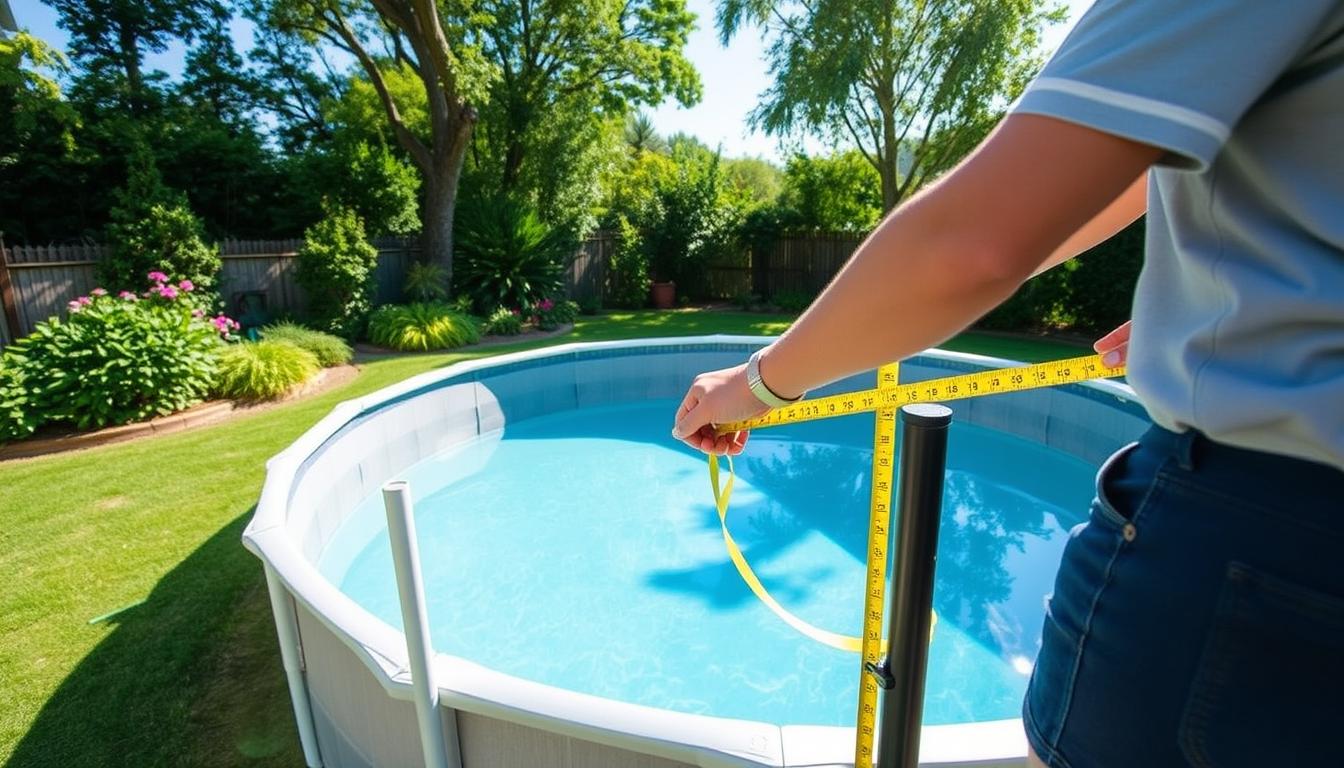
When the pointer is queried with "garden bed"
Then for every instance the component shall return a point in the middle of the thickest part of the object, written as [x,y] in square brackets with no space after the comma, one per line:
[210,412]
[365,350]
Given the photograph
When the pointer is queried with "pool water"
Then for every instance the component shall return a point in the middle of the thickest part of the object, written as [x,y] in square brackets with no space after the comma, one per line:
[581,549]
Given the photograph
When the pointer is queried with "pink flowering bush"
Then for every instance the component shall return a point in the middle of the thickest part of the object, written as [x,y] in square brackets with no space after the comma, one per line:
[549,313]
[112,360]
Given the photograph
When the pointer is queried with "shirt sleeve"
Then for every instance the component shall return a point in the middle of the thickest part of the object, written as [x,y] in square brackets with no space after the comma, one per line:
[1174,75]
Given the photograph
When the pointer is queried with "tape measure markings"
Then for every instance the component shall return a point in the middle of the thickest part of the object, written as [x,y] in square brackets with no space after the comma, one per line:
[960,387]
[879,517]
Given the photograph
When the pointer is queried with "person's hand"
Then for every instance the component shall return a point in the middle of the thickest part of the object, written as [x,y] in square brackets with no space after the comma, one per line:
[1114,346]
[716,397]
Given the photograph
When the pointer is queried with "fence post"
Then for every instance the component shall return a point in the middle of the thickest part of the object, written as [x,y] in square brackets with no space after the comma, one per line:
[11,307]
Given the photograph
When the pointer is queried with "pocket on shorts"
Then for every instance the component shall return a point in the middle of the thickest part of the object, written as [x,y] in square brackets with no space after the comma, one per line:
[1106,508]
[1268,687]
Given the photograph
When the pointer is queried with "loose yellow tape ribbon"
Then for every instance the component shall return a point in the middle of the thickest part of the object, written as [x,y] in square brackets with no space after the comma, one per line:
[721,498]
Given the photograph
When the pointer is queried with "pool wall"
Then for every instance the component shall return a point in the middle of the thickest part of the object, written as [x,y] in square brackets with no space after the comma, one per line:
[348,670]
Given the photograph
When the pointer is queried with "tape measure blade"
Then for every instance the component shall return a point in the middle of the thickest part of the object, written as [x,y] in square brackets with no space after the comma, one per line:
[879,524]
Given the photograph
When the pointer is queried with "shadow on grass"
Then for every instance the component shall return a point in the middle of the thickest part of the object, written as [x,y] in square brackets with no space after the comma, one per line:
[190,677]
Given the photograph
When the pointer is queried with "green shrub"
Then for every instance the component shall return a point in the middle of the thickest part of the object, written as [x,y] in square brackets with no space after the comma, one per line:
[336,266]
[1042,303]
[263,370]
[113,360]
[330,350]
[628,274]
[746,301]
[590,305]
[153,229]
[793,301]
[553,314]
[421,327]
[1103,281]
[503,322]
[426,282]
[505,255]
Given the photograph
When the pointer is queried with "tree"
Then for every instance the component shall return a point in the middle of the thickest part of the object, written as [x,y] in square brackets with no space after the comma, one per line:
[641,136]
[424,38]
[594,57]
[109,39]
[37,143]
[841,192]
[923,79]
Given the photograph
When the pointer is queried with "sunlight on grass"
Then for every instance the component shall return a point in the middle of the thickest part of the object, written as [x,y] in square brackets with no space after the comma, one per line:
[194,670]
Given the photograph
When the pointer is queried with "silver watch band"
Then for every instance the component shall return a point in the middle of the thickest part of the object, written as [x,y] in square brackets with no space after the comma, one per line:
[758,387]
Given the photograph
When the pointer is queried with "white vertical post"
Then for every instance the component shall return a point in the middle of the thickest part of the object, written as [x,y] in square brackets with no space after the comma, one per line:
[287,630]
[415,620]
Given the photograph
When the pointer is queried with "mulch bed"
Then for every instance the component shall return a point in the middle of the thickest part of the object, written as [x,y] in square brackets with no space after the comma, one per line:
[211,412]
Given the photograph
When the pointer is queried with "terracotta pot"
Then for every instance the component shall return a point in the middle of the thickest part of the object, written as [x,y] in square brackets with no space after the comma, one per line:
[664,295]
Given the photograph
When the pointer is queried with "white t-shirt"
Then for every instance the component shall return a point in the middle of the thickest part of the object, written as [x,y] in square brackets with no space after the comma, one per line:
[1239,312]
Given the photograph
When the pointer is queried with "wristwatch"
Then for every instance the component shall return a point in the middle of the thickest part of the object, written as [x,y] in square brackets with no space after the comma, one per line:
[758,387]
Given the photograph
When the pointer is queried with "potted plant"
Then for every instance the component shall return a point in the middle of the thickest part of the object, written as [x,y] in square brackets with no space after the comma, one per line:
[664,294]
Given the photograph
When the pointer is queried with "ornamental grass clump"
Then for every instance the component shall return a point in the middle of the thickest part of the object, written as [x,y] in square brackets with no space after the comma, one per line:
[421,327]
[112,360]
[504,322]
[263,370]
[330,350]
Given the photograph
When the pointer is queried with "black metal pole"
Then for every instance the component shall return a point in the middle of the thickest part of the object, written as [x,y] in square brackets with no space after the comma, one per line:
[920,501]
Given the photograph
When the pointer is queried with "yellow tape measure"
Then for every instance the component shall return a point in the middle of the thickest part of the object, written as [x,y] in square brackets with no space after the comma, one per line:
[884,399]
[993,382]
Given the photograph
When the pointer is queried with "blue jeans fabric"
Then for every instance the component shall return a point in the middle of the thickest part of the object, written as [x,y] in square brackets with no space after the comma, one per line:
[1198,615]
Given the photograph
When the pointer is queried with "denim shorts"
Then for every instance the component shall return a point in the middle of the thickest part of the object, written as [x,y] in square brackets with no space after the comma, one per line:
[1198,615]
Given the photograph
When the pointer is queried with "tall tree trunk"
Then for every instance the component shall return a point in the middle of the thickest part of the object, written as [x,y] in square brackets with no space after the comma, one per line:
[436,235]
[890,156]
[129,43]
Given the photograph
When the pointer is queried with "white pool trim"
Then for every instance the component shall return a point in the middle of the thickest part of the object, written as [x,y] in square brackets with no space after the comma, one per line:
[696,739]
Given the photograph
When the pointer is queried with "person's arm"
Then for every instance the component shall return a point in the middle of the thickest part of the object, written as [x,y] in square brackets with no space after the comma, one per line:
[935,264]
[1123,211]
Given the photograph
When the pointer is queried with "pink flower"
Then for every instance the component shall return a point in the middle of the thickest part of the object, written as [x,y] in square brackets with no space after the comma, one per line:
[515,312]
[198,313]
[84,301]
[547,305]
[75,306]
[187,286]
[99,292]
[127,295]
[168,292]
[158,277]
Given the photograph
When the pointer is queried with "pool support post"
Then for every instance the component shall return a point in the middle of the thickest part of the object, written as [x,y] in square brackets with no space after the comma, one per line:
[287,631]
[415,620]
[920,483]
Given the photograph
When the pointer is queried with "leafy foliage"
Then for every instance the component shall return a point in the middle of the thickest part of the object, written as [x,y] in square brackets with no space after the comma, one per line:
[550,314]
[152,229]
[1092,293]
[421,327]
[426,282]
[263,370]
[111,361]
[506,256]
[913,84]
[1104,278]
[503,322]
[628,273]
[840,192]
[328,349]
[336,267]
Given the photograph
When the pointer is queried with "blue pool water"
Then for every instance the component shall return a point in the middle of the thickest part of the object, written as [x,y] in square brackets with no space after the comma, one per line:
[582,550]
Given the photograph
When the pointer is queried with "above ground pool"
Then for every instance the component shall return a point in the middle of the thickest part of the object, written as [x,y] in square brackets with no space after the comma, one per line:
[580,599]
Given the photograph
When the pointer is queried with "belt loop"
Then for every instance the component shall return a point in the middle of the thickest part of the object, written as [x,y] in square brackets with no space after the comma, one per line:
[1185,449]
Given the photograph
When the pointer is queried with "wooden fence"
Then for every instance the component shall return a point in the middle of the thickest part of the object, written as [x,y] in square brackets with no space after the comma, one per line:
[37,282]
[801,264]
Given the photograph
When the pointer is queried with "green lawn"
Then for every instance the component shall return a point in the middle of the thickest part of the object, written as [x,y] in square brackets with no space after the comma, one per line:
[189,673]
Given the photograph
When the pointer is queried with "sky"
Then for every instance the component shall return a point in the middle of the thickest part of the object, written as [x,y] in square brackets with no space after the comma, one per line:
[732,78]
